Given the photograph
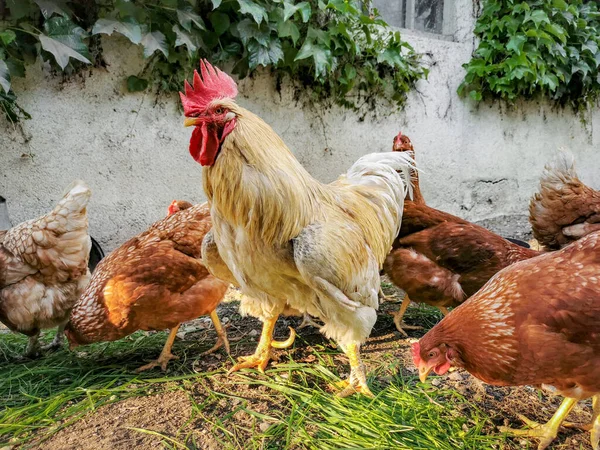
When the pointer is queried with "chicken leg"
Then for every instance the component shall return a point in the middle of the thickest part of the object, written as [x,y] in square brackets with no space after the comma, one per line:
[165,355]
[357,381]
[398,318]
[593,426]
[308,321]
[221,333]
[262,355]
[547,432]
[58,339]
[33,346]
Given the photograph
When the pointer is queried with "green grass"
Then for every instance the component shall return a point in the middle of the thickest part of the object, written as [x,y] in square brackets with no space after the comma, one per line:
[40,397]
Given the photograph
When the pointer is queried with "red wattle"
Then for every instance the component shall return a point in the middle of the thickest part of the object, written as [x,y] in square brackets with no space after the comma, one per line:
[442,368]
[204,144]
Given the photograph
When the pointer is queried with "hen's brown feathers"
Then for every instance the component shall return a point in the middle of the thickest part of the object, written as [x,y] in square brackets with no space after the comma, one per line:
[536,322]
[440,259]
[562,200]
[153,281]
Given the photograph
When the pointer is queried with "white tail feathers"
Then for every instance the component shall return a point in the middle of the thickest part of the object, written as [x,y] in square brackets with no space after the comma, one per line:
[560,171]
[75,199]
[387,167]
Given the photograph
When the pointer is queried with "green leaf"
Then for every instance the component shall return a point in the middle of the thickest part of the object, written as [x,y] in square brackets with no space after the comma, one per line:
[551,81]
[257,12]
[321,56]
[560,4]
[216,3]
[288,29]
[7,36]
[19,8]
[135,84]
[4,76]
[64,40]
[537,17]
[50,7]
[184,38]
[259,55]
[154,41]
[289,10]
[475,95]
[187,16]
[220,22]
[305,11]
[128,28]
[248,30]
[516,43]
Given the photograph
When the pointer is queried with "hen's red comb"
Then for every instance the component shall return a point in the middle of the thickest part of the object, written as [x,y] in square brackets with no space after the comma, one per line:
[173,208]
[214,84]
[416,353]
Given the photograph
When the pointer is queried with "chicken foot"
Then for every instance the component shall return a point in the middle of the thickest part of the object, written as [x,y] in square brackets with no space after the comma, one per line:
[357,381]
[547,432]
[165,355]
[261,357]
[593,426]
[308,321]
[33,348]
[58,339]
[221,333]
[400,326]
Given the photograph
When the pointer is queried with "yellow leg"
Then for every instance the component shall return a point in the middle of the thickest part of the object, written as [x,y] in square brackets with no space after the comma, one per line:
[221,333]
[547,432]
[262,355]
[385,297]
[398,315]
[444,310]
[165,355]
[357,381]
[593,426]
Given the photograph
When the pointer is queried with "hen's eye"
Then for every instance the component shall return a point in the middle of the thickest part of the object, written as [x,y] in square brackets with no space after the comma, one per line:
[431,354]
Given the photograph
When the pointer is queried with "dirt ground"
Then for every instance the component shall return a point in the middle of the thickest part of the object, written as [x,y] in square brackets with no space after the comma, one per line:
[170,412]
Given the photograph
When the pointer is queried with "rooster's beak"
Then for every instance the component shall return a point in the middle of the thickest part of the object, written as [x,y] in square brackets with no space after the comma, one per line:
[190,122]
[424,371]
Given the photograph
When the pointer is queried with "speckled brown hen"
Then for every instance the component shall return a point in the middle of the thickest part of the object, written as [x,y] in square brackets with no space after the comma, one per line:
[564,209]
[43,268]
[154,281]
[441,259]
[534,323]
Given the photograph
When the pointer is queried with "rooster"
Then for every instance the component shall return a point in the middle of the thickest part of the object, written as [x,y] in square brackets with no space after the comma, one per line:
[534,323]
[293,244]
[44,268]
[153,281]
[564,209]
[440,259]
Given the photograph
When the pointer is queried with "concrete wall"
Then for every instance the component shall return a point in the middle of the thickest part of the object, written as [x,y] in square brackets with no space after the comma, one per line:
[479,162]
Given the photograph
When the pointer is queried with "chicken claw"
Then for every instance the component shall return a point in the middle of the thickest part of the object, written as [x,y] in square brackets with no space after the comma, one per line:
[165,355]
[398,315]
[262,355]
[593,426]
[357,381]
[222,336]
[307,321]
[547,432]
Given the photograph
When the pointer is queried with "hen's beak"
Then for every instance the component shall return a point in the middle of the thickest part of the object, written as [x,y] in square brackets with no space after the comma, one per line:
[191,121]
[424,371]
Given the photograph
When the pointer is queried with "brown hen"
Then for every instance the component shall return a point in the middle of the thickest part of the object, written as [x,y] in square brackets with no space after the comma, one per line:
[534,323]
[440,259]
[564,209]
[154,281]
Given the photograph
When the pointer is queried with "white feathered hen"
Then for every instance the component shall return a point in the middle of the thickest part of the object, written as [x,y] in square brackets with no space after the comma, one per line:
[44,268]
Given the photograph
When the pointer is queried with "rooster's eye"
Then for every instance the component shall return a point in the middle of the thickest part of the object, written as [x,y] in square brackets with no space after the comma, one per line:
[219,111]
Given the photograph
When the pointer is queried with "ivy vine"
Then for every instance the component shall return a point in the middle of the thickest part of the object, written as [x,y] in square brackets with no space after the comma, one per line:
[338,49]
[536,47]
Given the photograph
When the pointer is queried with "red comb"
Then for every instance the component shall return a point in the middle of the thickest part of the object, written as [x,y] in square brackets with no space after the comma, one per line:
[213,85]
[173,208]
[416,353]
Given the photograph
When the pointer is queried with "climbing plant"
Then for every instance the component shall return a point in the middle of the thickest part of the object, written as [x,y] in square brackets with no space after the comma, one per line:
[536,47]
[337,49]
